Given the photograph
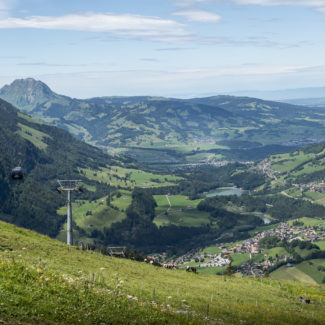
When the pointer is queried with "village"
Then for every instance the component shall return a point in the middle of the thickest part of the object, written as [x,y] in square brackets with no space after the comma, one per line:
[313,186]
[255,267]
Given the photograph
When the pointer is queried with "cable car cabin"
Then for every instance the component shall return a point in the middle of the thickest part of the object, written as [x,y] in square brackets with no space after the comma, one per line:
[17,173]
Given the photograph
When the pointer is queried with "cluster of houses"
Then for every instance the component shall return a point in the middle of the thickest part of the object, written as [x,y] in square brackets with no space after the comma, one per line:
[283,231]
[216,260]
[252,246]
[312,187]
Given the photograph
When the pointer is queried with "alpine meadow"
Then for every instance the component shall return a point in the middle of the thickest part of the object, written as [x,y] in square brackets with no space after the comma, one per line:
[162,162]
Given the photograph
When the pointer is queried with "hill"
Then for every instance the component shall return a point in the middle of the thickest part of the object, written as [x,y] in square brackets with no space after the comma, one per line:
[166,130]
[44,281]
[297,174]
[49,153]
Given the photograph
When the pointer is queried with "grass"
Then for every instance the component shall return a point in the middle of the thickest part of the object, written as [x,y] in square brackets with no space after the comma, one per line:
[263,228]
[272,252]
[309,222]
[286,162]
[43,281]
[128,177]
[123,201]
[239,259]
[308,268]
[180,211]
[321,245]
[211,270]
[34,136]
[305,272]
[315,196]
[293,274]
[90,215]
[212,250]
[101,215]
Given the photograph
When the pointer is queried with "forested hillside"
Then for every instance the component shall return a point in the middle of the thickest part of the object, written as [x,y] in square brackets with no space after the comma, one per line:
[47,154]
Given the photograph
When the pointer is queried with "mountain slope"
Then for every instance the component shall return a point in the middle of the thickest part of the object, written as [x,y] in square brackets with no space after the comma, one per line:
[47,154]
[210,127]
[43,281]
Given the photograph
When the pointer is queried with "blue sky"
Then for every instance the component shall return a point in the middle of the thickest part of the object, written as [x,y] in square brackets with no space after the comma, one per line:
[179,48]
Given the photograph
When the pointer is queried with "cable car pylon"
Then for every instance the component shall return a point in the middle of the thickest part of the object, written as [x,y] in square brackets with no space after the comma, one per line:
[69,186]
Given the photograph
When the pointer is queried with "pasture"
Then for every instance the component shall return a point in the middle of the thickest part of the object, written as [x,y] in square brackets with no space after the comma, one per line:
[179,210]
[44,281]
[309,222]
[128,177]
[306,272]
[90,215]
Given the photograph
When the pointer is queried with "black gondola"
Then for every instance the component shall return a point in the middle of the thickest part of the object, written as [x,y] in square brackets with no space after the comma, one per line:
[17,173]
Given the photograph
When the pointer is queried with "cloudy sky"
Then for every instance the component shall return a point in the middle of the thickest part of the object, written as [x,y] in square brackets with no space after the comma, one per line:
[180,48]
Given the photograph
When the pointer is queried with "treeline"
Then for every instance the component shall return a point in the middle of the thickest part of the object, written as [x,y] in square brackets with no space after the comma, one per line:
[228,220]
[207,178]
[280,207]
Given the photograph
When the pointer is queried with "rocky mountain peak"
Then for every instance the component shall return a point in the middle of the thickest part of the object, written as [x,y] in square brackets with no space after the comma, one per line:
[26,92]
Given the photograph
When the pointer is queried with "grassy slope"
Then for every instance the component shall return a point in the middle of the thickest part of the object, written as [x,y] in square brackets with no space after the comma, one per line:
[289,166]
[306,272]
[44,281]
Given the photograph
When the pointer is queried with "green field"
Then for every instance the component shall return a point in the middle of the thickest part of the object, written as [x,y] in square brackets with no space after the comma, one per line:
[287,162]
[321,245]
[123,201]
[90,215]
[34,136]
[305,272]
[179,210]
[128,177]
[239,259]
[309,222]
[292,274]
[212,250]
[43,281]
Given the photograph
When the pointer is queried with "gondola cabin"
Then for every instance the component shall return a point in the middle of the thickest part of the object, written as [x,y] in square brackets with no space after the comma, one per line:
[17,173]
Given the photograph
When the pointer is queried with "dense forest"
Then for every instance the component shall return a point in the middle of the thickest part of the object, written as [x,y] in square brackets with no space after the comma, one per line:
[280,207]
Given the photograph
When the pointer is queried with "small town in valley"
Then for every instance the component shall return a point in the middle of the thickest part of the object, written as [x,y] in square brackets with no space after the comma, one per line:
[258,261]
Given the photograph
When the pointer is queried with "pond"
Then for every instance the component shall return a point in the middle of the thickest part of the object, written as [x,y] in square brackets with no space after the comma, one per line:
[225,191]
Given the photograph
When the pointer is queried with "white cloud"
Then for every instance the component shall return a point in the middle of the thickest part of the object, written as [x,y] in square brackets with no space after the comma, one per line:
[198,15]
[118,24]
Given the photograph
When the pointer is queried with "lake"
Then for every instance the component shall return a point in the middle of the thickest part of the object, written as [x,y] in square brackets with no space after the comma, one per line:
[225,191]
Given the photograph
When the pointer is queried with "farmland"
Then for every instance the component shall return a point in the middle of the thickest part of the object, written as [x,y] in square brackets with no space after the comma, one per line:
[306,272]
[179,210]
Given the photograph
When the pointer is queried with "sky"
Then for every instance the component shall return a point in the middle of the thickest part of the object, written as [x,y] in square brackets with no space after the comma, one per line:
[174,48]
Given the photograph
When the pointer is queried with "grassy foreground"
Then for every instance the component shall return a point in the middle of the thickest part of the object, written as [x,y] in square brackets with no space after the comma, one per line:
[43,281]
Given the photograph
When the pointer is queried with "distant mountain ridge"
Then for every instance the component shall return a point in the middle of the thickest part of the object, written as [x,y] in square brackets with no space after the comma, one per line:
[313,102]
[160,123]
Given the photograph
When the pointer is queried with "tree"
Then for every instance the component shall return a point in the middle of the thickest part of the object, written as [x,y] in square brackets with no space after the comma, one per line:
[229,269]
